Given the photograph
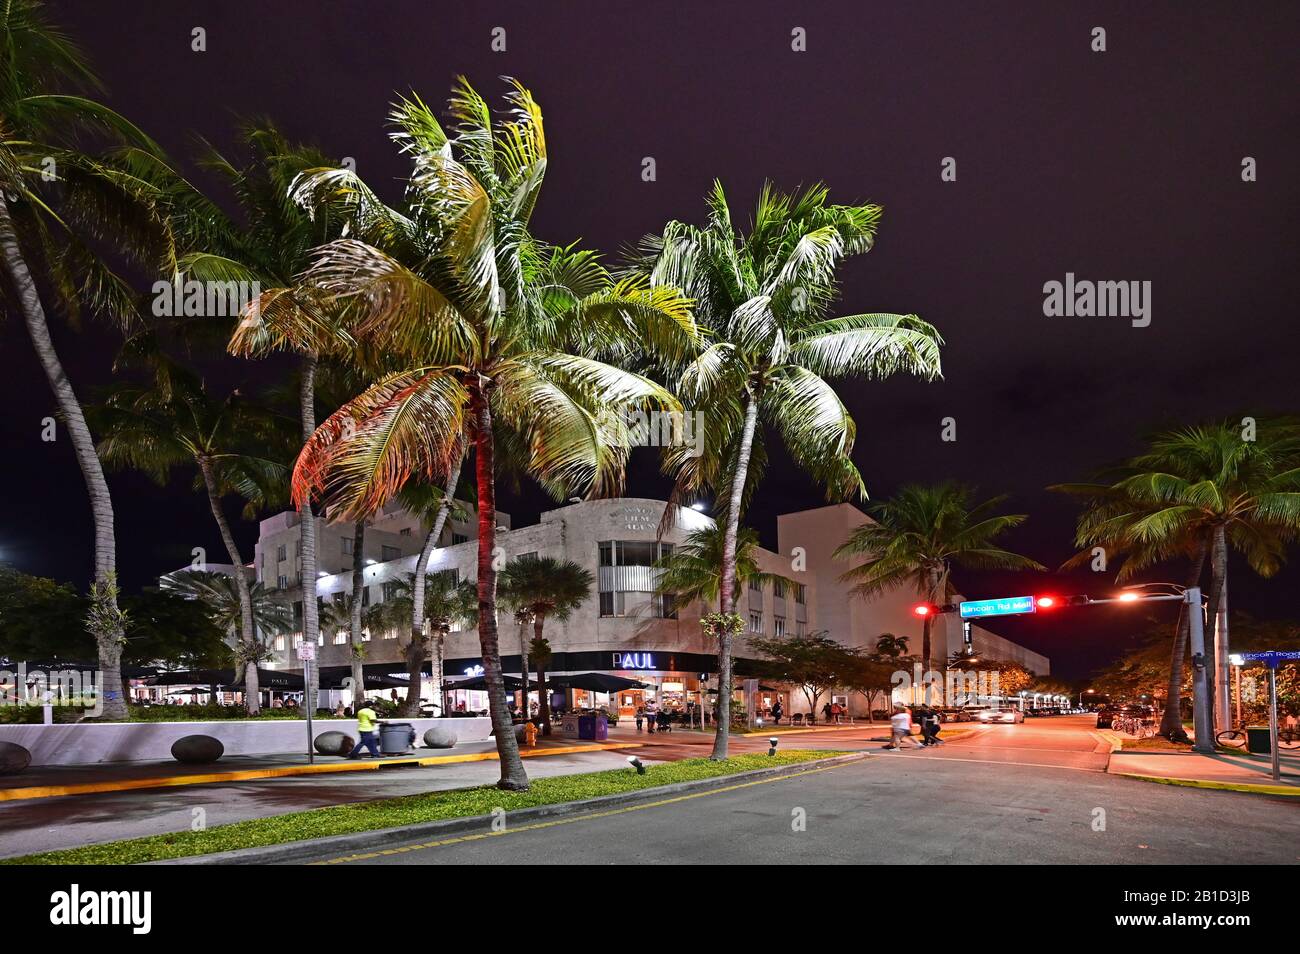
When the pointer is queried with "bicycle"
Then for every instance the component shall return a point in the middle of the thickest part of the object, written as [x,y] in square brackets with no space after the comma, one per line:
[1231,738]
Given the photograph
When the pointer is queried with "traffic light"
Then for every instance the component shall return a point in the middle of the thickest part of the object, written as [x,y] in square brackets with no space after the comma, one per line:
[1046,602]
[925,609]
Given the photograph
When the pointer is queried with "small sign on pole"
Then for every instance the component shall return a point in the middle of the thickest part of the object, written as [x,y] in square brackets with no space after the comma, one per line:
[307,655]
[1272,659]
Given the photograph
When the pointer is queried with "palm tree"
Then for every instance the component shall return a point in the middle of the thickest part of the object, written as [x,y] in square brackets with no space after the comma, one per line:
[693,570]
[891,647]
[175,422]
[448,602]
[1197,492]
[915,537]
[40,115]
[541,588]
[225,603]
[762,301]
[488,328]
[539,651]
[433,505]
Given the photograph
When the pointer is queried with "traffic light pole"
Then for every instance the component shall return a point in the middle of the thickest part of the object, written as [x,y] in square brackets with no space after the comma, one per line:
[1202,726]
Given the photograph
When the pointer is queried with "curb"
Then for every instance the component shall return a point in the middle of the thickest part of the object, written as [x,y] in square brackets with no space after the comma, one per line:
[287,771]
[297,851]
[1283,790]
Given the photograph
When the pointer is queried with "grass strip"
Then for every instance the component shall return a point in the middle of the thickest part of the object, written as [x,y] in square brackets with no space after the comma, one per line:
[405,810]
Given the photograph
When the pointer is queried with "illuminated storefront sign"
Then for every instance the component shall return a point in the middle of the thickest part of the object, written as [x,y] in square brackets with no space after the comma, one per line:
[634,661]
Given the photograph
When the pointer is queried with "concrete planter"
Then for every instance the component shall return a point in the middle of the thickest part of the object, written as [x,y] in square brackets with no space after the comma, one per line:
[87,744]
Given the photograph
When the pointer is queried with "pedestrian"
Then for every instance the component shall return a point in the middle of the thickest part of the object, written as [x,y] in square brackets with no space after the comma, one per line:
[651,714]
[827,711]
[339,711]
[777,712]
[367,731]
[640,717]
[931,724]
[900,728]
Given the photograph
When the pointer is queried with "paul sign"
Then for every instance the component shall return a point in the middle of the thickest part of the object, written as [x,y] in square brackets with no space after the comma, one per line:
[634,661]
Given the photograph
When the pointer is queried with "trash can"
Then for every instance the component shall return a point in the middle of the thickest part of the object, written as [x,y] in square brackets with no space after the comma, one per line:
[396,738]
[569,726]
[593,728]
[1259,740]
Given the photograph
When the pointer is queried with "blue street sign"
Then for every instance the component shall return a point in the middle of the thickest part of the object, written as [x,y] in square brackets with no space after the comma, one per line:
[1272,658]
[1007,606]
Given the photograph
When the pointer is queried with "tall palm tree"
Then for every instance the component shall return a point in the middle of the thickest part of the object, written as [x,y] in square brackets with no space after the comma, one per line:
[1197,492]
[41,115]
[891,647]
[917,536]
[480,327]
[433,505]
[539,650]
[221,597]
[763,300]
[173,422]
[544,588]
[693,570]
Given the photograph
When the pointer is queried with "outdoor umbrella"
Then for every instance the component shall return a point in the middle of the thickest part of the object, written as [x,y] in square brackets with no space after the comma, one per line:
[594,682]
[332,677]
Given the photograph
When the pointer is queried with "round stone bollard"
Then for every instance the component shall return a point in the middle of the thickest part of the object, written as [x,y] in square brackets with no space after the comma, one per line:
[439,738]
[334,743]
[521,732]
[197,749]
[13,758]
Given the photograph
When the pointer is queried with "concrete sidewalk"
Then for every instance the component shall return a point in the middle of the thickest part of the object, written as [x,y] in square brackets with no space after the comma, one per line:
[1235,771]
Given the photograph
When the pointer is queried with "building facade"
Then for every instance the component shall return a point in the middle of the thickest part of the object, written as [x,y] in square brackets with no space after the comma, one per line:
[623,628]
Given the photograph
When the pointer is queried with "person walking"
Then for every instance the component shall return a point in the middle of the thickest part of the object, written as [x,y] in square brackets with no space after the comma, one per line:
[651,714]
[367,731]
[827,711]
[931,724]
[640,717]
[777,712]
[900,729]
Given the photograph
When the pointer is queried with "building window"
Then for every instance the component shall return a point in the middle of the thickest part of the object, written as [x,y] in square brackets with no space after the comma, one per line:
[404,532]
[391,590]
[778,626]
[279,644]
[779,588]
[756,622]
[297,640]
[281,554]
[798,628]
[365,596]
[627,578]
[666,606]
[801,594]
[282,582]
[530,555]
[387,554]
[347,543]
[340,638]
[755,585]
[459,538]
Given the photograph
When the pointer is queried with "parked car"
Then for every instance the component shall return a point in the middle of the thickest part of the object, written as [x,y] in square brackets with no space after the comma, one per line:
[1105,717]
[955,714]
[1007,716]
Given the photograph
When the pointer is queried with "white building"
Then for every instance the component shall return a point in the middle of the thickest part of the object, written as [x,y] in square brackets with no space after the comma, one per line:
[623,628]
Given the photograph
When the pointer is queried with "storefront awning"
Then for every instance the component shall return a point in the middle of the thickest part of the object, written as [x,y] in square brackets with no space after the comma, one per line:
[595,682]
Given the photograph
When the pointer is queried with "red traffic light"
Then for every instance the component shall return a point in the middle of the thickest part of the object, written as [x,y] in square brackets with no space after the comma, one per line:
[1046,602]
[923,609]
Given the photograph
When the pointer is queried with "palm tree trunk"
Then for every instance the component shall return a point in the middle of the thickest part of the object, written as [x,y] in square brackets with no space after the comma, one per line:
[1217,651]
[307,523]
[1171,724]
[248,632]
[933,578]
[543,699]
[513,776]
[523,663]
[106,623]
[727,595]
[354,622]
[418,635]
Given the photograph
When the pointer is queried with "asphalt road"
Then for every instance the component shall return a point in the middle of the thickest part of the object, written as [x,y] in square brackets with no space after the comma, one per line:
[1032,793]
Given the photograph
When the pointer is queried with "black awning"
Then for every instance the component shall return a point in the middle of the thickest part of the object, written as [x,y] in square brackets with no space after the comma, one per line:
[594,682]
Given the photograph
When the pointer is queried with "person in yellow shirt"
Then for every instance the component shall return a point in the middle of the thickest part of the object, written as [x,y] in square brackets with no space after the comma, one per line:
[367,731]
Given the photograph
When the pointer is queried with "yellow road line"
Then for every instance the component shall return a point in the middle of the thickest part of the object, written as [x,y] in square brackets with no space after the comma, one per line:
[244,775]
[536,826]
[1286,790]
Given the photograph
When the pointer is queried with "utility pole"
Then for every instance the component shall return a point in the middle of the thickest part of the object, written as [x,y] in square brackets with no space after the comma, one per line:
[1202,723]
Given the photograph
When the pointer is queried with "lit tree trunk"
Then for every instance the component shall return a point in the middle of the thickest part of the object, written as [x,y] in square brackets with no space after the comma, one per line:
[513,776]
[418,635]
[106,621]
[1217,652]
[248,631]
[727,594]
[523,658]
[933,579]
[1171,725]
[354,622]
[543,704]
[307,525]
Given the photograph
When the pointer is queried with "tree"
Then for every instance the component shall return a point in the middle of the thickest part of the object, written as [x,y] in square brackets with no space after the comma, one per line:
[815,663]
[870,674]
[762,301]
[693,570]
[545,587]
[174,422]
[40,115]
[539,651]
[481,327]
[1195,493]
[225,602]
[915,537]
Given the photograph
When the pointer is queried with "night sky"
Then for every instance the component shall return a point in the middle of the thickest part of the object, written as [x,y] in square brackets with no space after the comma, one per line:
[1122,165]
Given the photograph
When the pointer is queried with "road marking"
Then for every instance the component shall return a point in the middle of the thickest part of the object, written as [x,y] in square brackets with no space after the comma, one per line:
[1068,768]
[537,826]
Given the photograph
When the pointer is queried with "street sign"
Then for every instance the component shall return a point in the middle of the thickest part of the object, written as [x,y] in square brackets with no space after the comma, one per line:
[1006,606]
[306,651]
[1273,658]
